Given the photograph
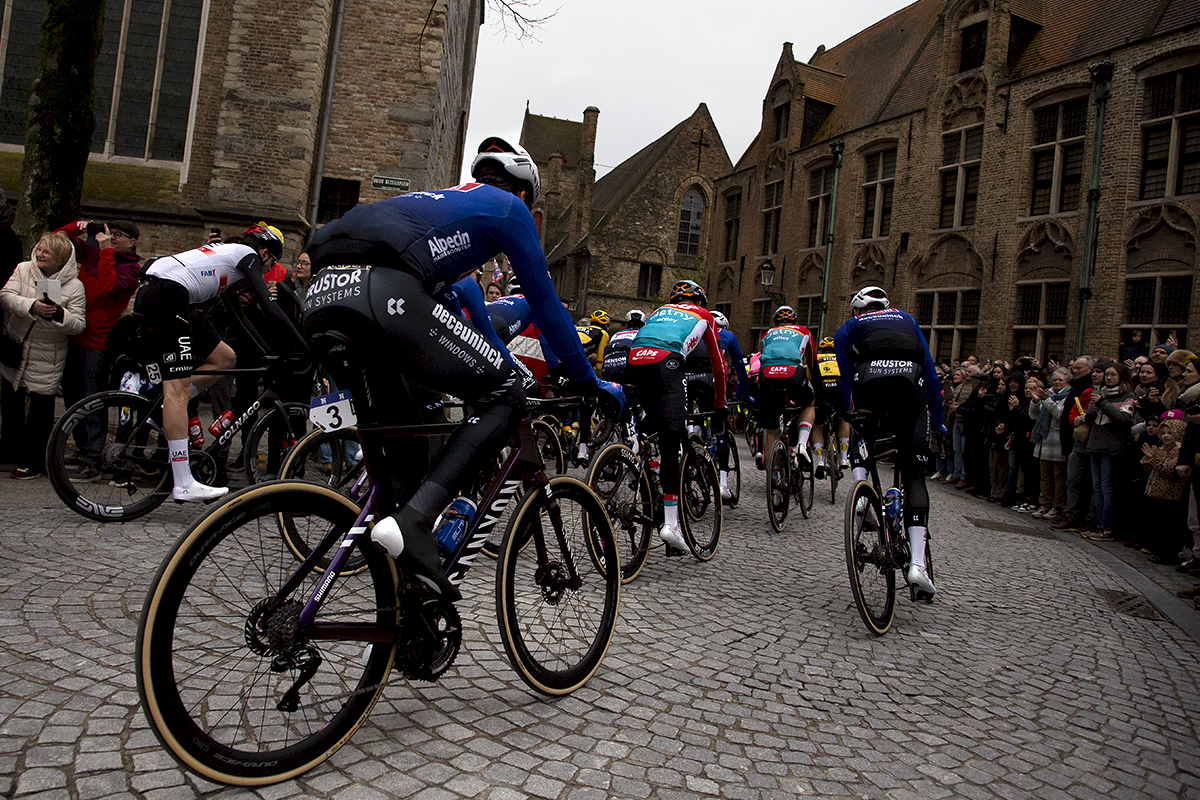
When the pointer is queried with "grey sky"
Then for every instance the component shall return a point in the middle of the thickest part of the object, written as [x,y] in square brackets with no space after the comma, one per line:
[647,65]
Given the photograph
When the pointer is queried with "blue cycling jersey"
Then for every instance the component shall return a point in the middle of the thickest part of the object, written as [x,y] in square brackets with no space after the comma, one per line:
[887,341]
[443,235]
[732,351]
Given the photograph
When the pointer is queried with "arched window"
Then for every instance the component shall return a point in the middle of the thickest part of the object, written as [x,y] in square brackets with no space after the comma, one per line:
[691,213]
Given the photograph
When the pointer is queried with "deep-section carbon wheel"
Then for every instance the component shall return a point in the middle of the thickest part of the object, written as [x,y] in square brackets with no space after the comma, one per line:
[617,478]
[805,484]
[778,489]
[556,593]
[232,685]
[270,440]
[700,506]
[872,573]
[107,457]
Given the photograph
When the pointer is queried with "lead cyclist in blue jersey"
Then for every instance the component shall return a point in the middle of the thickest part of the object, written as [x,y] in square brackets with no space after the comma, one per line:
[373,319]
[886,367]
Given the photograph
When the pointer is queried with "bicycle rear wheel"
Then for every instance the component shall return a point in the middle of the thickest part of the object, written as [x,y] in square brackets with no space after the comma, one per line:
[778,488]
[700,506]
[872,573]
[223,668]
[121,435]
[835,475]
[557,600]
[735,470]
[623,486]
[805,484]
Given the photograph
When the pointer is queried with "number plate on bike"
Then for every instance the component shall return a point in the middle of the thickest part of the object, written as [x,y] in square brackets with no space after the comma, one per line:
[332,412]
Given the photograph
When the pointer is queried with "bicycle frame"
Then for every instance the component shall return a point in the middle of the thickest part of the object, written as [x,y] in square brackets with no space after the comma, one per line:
[524,461]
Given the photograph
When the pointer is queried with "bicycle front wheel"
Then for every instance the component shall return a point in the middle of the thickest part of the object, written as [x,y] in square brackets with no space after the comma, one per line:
[778,489]
[231,685]
[341,472]
[700,507]
[617,478]
[557,599]
[872,573]
[119,451]
[271,438]
[555,463]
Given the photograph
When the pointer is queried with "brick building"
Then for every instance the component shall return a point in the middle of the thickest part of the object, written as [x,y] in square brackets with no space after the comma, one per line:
[648,221]
[224,112]
[953,145]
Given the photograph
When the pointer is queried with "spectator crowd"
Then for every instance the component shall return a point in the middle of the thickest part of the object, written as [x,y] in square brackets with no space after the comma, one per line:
[1102,448]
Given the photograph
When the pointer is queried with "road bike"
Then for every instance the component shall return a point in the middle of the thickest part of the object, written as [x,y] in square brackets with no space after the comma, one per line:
[273,624]
[627,481]
[121,434]
[833,457]
[788,476]
[876,542]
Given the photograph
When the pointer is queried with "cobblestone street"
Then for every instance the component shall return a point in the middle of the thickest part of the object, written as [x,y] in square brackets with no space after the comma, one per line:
[1048,667]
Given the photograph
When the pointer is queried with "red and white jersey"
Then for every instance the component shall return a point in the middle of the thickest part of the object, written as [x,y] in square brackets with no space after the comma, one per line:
[205,271]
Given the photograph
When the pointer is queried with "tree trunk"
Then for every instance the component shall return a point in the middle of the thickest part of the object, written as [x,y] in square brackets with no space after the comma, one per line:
[61,117]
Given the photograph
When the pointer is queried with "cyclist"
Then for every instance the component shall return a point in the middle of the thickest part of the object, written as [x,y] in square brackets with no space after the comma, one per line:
[376,321]
[660,348]
[832,404]
[170,300]
[735,367]
[593,335]
[892,373]
[616,355]
[786,356]
[527,345]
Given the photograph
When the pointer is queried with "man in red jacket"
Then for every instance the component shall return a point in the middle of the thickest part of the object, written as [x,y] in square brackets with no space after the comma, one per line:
[108,267]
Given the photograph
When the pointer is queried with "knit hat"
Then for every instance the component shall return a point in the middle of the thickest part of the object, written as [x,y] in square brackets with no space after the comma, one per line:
[1166,348]
[1174,414]
[1179,357]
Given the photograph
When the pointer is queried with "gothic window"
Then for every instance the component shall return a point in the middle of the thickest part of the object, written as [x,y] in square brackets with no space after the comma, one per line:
[949,318]
[808,311]
[878,183]
[143,75]
[820,189]
[772,211]
[733,219]
[760,321]
[974,46]
[1040,328]
[1171,134]
[1058,157]
[725,308]
[961,154]
[691,212]
[1160,304]
[337,196]
[782,115]
[649,280]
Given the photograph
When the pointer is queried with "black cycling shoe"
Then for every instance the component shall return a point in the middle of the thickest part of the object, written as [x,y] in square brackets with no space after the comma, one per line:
[819,473]
[420,556]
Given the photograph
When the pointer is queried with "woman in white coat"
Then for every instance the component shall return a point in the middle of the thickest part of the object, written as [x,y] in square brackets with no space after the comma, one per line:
[39,375]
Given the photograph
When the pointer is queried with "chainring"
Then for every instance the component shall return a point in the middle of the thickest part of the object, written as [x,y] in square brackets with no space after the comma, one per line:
[428,638]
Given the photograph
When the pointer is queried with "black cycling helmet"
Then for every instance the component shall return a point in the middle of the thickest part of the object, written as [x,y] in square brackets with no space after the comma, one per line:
[870,296]
[514,160]
[785,315]
[686,291]
[264,235]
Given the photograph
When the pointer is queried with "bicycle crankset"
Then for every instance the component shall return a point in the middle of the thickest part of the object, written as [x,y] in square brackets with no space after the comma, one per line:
[428,636]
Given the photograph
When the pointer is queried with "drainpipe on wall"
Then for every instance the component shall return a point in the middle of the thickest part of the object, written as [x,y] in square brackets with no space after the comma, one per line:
[1102,72]
[837,148]
[335,42]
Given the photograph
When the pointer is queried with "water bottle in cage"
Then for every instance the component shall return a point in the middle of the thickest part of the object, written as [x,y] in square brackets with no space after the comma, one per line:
[893,502]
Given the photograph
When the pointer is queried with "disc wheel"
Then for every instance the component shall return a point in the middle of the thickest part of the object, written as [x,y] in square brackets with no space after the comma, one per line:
[617,478]
[557,599]
[120,434]
[232,685]
[778,489]
[872,573]
[700,506]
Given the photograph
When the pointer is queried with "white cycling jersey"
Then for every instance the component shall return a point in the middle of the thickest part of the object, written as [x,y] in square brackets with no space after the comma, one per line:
[205,271]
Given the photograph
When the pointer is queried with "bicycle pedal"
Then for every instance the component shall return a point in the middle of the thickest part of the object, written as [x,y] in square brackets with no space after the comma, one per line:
[672,552]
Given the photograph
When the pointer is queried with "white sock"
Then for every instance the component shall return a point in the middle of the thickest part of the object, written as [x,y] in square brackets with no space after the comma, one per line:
[724,479]
[802,438]
[916,538]
[583,450]
[844,449]
[860,473]
[181,470]
[671,513]
[820,453]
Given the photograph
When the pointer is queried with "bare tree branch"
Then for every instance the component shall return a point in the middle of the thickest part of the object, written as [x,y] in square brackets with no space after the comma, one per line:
[520,17]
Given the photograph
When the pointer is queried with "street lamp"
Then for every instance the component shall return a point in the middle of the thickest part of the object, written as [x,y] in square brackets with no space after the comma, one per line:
[766,272]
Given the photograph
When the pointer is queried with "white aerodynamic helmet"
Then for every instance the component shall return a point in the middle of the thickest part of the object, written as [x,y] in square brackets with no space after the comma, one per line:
[721,320]
[870,295]
[514,160]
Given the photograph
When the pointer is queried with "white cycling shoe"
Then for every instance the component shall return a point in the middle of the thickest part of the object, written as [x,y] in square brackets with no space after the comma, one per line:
[726,494]
[672,537]
[198,493]
[920,578]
